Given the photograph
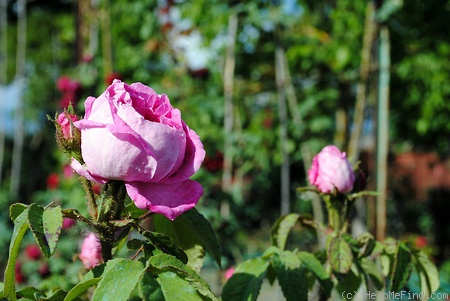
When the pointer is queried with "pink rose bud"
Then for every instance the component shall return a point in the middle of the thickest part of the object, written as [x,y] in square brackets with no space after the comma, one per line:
[132,134]
[331,170]
[229,273]
[67,171]
[64,121]
[91,252]
[68,223]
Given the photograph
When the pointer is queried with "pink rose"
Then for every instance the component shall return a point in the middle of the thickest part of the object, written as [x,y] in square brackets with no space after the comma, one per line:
[91,252]
[63,120]
[132,134]
[331,169]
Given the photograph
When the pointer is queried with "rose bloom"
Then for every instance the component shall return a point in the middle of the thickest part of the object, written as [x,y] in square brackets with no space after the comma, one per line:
[132,134]
[63,120]
[331,170]
[91,252]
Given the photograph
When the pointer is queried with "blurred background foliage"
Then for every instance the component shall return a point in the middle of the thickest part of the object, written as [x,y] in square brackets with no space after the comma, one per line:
[179,48]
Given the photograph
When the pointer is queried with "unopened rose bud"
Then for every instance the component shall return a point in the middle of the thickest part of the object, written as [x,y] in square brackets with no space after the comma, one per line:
[67,135]
[68,223]
[331,170]
[65,120]
[91,252]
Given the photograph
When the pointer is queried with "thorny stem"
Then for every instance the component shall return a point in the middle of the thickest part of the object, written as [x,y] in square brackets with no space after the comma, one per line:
[91,204]
[111,209]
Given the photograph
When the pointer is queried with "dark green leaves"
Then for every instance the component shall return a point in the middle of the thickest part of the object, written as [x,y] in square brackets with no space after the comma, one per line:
[291,276]
[246,282]
[193,233]
[401,267]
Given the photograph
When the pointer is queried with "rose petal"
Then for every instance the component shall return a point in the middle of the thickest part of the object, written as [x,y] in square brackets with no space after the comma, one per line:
[82,171]
[193,158]
[170,200]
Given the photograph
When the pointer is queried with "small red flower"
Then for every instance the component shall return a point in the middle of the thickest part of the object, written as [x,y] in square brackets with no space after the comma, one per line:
[420,241]
[53,181]
[20,278]
[214,163]
[33,252]
[111,77]
[44,270]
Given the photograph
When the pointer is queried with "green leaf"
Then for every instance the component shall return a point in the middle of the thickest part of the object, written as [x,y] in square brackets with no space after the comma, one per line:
[81,288]
[316,267]
[400,267]
[175,288]
[193,233]
[166,245]
[57,295]
[162,263]
[52,221]
[340,255]
[373,272]
[349,284]
[150,289]
[35,219]
[246,281]
[280,230]
[16,209]
[291,276]
[95,272]
[119,280]
[20,227]
[428,273]
[30,293]
[134,211]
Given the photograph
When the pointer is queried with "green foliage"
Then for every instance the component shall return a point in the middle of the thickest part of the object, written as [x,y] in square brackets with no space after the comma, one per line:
[339,255]
[20,227]
[246,281]
[160,273]
[46,226]
[350,263]
[118,279]
[291,275]
[193,233]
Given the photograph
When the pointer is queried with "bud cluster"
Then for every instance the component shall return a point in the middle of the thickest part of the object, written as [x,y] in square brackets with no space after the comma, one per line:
[68,136]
